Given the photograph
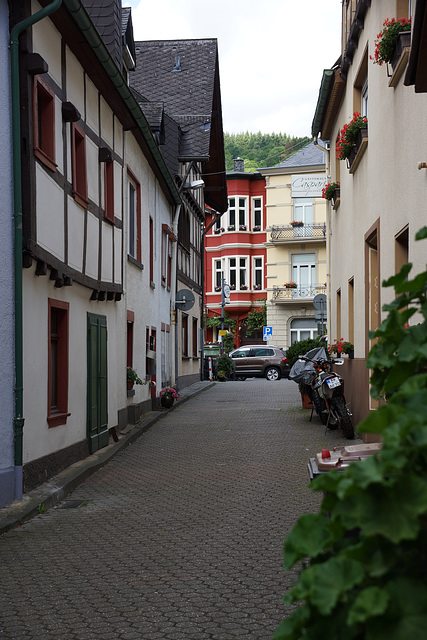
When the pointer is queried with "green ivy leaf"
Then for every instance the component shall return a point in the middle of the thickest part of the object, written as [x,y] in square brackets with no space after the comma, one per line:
[406,615]
[309,537]
[370,602]
[421,234]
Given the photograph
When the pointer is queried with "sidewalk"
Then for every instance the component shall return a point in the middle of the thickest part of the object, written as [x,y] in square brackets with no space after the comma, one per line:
[57,488]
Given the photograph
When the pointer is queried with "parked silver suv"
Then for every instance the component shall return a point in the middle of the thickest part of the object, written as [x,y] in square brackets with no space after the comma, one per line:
[260,360]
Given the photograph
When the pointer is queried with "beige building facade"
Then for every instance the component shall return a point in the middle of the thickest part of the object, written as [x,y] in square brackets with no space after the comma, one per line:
[296,263]
[382,189]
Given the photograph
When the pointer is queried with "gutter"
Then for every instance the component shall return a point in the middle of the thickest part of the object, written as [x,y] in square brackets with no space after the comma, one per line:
[322,101]
[18,420]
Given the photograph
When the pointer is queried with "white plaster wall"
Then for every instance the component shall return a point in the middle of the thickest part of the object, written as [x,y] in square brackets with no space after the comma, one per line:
[107,253]
[92,114]
[76,229]
[39,439]
[92,248]
[151,306]
[47,42]
[50,213]
[118,137]
[92,167]
[107,123]
[6,269]
[386,184]
[75,82]
[118,261]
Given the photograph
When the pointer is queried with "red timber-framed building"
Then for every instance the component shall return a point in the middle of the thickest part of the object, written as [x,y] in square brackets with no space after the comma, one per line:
[235,250]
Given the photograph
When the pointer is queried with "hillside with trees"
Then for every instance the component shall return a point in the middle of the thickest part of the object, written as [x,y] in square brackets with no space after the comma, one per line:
[260,149]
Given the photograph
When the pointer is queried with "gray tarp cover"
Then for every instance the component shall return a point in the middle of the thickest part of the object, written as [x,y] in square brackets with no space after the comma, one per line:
[304,371]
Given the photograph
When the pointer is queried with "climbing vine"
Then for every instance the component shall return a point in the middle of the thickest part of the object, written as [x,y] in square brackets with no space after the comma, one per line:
[257,319]
[364,554]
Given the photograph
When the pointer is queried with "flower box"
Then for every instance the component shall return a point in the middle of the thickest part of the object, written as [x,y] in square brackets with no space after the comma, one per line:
[336,199]
[257,287]
[242,227]
[400,57]
[217,288]
[358,150]
[256,228]
[217,231]
[232,287]
[231,228]
[243,287]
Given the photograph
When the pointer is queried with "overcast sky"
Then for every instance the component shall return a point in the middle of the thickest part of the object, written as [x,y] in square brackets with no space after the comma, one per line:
[271,53]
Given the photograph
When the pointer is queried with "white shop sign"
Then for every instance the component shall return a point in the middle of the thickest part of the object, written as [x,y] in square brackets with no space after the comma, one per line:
[306,186]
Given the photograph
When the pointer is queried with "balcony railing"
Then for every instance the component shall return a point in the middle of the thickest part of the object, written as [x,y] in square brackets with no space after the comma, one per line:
[285,294]
[288,233]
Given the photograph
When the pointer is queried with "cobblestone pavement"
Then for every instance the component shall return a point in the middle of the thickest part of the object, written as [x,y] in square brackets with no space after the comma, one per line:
[180,535]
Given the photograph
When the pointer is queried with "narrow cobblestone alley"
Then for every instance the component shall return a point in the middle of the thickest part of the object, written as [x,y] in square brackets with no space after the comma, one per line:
[180,535]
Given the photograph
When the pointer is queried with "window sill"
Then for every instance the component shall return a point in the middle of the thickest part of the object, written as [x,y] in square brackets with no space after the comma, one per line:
[56,419]
[399,68]
[152,284]
[45,159]
[135,262]
[186,357]
[81,200]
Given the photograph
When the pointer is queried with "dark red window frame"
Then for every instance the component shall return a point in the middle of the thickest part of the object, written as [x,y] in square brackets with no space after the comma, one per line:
[58,339]
[44,122]
[137,187]
[78,150]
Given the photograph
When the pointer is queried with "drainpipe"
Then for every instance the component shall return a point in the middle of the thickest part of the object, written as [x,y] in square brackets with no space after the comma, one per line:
[18,421]
[328,237]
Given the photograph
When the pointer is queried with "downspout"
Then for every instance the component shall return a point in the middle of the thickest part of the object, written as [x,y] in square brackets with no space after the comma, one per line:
[18,421]
[328,237]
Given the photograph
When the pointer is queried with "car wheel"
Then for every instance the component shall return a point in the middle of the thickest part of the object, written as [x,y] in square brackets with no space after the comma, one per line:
[272,373]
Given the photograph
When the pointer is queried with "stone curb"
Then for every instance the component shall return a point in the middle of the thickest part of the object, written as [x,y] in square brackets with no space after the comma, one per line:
[51,493]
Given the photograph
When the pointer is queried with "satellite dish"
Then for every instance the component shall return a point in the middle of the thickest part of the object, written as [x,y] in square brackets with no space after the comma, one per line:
[184,299]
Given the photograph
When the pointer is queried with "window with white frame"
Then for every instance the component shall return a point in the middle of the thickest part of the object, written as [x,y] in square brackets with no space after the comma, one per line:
[232,272]
[256,214]
[364,97]
[258,273]
[302,329]
[243,276]
[217,274]
[303,210]
[304,274]
[237,213]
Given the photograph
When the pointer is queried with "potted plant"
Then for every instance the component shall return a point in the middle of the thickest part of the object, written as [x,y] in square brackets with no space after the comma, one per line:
[224,367]
[340,347]
[243,287]
[217,288]
[167,397]
[297,223]
[290,285]
[349,135]
[257,287]
[257,227]
[132,378]
[386,41]
[232,287]
[330,190]
[242,227]
[231,228]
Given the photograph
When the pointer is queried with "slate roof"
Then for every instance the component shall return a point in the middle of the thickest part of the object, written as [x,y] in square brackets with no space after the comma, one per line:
[181,73]
[106,16]
[308,155]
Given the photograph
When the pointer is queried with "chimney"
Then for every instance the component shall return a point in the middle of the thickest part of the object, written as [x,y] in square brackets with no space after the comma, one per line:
[239,165]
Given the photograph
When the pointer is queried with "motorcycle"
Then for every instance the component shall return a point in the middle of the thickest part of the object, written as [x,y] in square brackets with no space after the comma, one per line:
[325,389]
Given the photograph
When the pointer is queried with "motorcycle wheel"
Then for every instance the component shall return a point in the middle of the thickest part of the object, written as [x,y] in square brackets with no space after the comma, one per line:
[322,411]
[344,418]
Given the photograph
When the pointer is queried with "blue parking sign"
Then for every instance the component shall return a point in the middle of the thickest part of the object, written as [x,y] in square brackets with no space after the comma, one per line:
[267,333]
